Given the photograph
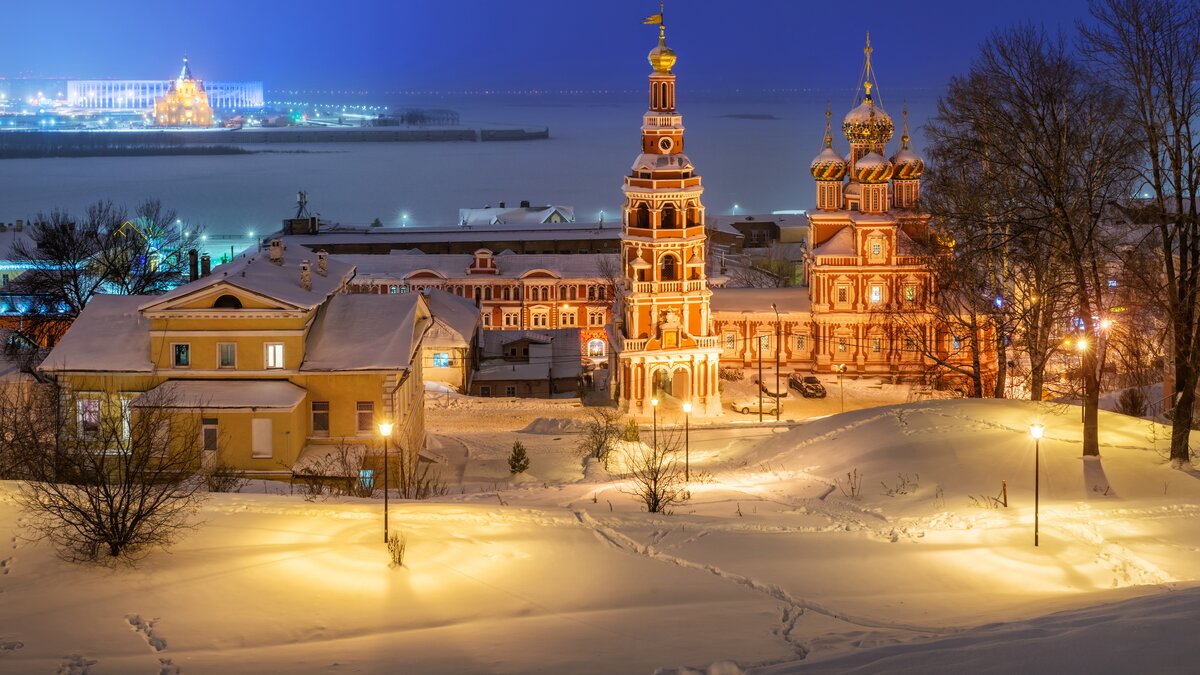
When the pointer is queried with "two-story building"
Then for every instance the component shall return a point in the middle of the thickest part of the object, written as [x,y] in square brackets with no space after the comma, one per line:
[268,353]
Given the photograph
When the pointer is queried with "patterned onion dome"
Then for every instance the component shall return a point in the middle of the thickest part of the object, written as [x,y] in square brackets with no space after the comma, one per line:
[662,58]
[828,165]
[868,123]
[873,168]
[907,163]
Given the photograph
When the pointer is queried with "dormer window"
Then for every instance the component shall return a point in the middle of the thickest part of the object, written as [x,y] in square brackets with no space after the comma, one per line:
[227,302]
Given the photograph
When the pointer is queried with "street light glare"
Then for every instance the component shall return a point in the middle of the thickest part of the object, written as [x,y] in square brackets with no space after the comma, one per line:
[1036,431]
[1081,345]
[687,407]
[385,428]
[654,401]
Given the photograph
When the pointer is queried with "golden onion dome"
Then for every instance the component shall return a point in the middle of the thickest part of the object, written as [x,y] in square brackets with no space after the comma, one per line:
[873,168]
[868,123]
[662,58]
[828,165]
[908,163]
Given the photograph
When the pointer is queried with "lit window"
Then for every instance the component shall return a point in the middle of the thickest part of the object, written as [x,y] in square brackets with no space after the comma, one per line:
[876,248]
[595,347]
[843,344]
[181,355]
[876,295]
[441,360]
[274,355]
[89,416]
[800,342]
[320,418]
[393,290]
[910,293]
[956,342]
[365,411]
[226,355]
[730,341]
[876,345]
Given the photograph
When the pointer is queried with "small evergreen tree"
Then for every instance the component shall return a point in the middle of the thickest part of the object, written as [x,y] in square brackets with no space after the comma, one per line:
[377,223]
[518,461]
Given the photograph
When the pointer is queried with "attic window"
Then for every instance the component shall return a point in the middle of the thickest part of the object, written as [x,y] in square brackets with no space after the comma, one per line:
[227,302]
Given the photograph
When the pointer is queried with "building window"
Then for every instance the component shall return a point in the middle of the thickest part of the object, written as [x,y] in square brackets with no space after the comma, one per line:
[910,345]
[595,347]
[842,293]
[274,357]
[876,248]
[764,342]
[510,391]
[876,294]
[181,355]
[393,289]
[800,343]
[512,319]
[89,416]
[260,438]
[485,390]
[320,418]
[566,319]
[506,293]
[591,289]
[441,360]
[539,319]
[955,342]
[876,345]
[843,344]
[226,355]
[487,319]
[910,293]
[208,433]
[365,411]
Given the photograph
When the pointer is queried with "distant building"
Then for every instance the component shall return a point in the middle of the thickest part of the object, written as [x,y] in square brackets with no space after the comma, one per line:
[524,214]
[448,352]
[185,104]
[140,95]
[528,364]
[540,238]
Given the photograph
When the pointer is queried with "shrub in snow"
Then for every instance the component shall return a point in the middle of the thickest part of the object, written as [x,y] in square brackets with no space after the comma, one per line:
[600,432]
[632,432]
[852,486]
[397,544]
[518,460]
[1132,402]
[656,473]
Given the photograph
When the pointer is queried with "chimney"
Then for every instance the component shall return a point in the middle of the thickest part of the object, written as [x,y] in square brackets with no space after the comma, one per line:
[524,203]
[501,204]
[193,265]
[322,262]
[306,275]
[205,265]
[277,251]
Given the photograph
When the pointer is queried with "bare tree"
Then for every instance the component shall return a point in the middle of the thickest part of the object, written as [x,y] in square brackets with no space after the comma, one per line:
[600,434]
[112,477]
[656,472]
[70,260]
[1150,50]
[1065,159]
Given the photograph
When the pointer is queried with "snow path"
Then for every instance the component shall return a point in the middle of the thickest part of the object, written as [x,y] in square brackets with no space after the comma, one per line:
[627,544]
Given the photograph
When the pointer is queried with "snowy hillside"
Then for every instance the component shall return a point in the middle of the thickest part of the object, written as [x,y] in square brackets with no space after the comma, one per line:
[772,565]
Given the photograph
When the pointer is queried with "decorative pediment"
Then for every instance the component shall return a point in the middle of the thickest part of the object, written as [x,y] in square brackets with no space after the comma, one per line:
[223,296]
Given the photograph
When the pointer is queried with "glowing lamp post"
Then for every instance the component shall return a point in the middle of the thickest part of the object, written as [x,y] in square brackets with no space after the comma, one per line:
[1036,431]
[654,407]
[778,399]
[385,431]
[687,448]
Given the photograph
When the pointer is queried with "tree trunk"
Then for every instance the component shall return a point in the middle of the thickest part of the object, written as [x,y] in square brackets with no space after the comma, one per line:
[1091,395]
[1001,366]
[1182,415]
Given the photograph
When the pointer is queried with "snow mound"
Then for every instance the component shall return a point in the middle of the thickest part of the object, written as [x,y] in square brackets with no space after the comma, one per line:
[550,425]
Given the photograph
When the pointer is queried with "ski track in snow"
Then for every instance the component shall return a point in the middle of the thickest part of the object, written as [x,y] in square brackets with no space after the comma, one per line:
[794,608]
[75,664]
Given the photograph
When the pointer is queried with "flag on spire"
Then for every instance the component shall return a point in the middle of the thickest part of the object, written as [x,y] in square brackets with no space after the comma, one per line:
[653,20]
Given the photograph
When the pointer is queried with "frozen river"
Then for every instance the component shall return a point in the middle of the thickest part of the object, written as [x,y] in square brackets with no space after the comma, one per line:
[753,154]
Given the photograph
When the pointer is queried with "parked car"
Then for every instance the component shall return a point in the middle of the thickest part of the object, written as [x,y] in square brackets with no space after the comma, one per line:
[768,387]
[769,406]
[808,385]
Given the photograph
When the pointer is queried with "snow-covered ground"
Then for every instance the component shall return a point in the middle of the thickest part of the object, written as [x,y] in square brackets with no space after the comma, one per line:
[776,564]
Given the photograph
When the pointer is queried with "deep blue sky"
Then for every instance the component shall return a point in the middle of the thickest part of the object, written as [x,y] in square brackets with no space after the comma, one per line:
[509,44]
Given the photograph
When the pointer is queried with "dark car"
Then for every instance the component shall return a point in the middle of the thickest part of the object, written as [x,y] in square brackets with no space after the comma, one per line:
[808,385]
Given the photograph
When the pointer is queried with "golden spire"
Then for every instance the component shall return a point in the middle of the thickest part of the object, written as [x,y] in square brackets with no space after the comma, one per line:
[828,133]
[904,133]
[661,57]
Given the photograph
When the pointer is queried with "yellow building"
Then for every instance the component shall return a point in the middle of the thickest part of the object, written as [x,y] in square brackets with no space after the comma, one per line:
[269,357]
[186,103]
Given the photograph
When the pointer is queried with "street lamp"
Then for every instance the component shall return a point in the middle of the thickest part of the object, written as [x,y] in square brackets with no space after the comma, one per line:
[654,407]
[840,369]
[1036,430]
[385,431]
[778,399]
[687,419]
[758,348]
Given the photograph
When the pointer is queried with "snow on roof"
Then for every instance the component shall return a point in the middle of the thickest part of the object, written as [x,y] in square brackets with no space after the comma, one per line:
[501,215]
[365,332]
[455,265]
[841,243]
[9,238]
[257,274]
[564,344]
[455,319]
[212,394]
[513,370]
[655,162]
[109,335]
[460,233]
[758,300]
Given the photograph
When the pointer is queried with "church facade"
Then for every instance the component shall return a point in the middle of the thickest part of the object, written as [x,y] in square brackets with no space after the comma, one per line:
[185,104]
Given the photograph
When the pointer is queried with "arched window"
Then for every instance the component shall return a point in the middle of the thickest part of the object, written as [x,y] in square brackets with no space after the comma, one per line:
[487,293]
[507,293]
[641,216]
[572,293]
[669,270]
[227,302]
[669,217]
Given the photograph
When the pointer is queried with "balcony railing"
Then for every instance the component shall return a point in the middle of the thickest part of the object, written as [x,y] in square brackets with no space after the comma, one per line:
[634,345]
[667,286]
[707,342]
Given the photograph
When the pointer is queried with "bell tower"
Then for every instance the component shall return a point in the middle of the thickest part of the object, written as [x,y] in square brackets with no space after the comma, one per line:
[667,350]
